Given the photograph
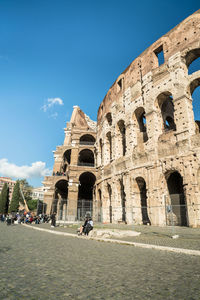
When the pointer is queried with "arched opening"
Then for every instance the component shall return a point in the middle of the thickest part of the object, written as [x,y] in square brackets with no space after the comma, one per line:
[66,160]
[85,195]
[86,158]
[143,200]
[122,131]
[141,120]
[60,199]
[123,200]
[109,141]
[177,210]
[110,201]
[109,118]
[195,93]
[165,102]
[192,60]
[87,139]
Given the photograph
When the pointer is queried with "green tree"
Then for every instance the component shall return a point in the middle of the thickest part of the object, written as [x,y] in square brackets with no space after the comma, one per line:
[4,199]
[16,198]
[32,204]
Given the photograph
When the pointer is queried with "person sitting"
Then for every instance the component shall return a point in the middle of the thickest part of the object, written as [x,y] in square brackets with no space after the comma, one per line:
[82,228]
[89,226]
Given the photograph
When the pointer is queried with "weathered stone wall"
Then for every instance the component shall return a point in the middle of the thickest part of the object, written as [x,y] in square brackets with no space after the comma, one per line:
[160,137]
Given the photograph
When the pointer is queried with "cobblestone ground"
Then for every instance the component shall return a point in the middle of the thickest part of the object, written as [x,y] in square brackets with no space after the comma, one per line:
[39,265]
[189,238]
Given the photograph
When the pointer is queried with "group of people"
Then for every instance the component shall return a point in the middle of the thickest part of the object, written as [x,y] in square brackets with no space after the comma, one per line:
[86,227]
[59,174]
[24,217]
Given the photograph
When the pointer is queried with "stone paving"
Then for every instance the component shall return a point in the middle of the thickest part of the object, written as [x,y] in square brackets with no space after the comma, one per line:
[38,265]
[189,238]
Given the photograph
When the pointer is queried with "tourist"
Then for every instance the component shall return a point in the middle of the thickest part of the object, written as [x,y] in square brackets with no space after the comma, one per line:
[53,220]
[82,228]
[89,226]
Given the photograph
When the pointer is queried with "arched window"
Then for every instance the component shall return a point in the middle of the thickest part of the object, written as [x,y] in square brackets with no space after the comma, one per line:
[86,158]
[122,131]
[192,60]
[109,118]
[177,212]
[165,102]
[143,199]
[195,93]
[85,195]
[87,139]
[109,141]
[141,120]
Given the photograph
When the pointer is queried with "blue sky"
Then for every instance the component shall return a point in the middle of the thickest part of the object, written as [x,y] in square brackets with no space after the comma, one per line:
[67,50]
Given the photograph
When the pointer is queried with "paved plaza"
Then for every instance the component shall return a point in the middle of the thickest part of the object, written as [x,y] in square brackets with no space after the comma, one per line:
[39,265]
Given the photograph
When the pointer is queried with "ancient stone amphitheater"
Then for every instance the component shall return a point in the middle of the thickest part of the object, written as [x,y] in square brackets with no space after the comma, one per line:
[140,163]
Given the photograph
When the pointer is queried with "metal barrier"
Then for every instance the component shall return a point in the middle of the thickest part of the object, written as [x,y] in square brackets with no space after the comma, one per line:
[161,215]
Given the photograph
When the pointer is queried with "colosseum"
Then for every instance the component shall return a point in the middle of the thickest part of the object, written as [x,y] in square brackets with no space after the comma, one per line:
[140,163]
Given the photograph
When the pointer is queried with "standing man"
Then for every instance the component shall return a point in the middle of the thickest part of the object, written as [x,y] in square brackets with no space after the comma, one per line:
[53,219]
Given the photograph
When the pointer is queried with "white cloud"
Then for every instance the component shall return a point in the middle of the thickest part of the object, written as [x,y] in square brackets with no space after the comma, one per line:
[37,169]
[51,102]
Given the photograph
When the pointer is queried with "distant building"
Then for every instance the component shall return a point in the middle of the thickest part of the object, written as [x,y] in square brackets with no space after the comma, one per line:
[10,183]
[38,193]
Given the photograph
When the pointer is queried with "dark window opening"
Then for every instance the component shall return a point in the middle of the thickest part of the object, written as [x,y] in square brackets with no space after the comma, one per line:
[169,124]
[110,202]
[86,158]
[160,55]
[67,156]
[123,200]
[177,214]
[141,119]
[109,118]
[122,130]
[119,84]
[165,102]
[143,200]
[87,139]
[85,195]
[108,135]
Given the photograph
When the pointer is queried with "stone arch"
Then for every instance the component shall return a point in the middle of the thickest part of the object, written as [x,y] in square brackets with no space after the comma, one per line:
[85,194]
[193,86]
[164,103]
[86,158]
[66,160]
[142,191]
[122,137]
[139,116]
[192,60]
[176,206]
[87,139]
[60,197]
[109,118]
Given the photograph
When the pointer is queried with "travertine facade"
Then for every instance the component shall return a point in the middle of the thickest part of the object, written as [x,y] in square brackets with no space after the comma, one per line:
[148,143]
[70,188]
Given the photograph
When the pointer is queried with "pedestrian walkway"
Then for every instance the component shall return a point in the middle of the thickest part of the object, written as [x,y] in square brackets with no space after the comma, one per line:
[151,237]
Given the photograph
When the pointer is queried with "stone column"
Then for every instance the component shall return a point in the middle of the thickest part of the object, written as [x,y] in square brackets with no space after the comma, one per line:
[72,201]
